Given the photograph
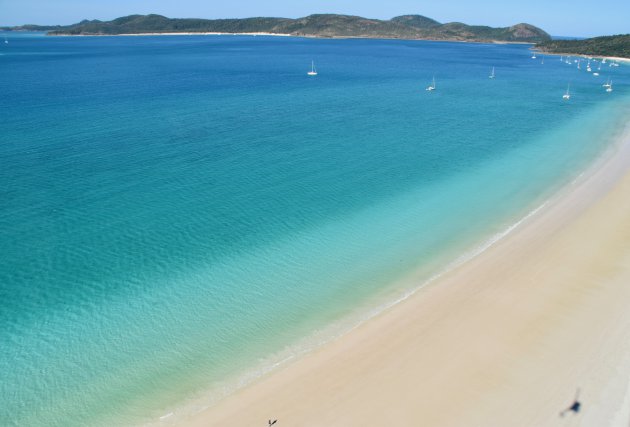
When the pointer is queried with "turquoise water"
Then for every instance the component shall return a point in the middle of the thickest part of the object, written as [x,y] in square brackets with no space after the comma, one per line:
[177,211]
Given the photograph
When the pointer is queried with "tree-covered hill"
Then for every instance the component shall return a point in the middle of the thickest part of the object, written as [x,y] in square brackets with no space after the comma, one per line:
[618,45]
[322,25]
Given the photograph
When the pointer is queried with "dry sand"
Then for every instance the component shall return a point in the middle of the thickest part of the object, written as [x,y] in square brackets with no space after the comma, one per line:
[503,340]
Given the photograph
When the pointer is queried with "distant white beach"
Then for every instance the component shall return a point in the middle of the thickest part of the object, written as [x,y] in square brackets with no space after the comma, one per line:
[177,34]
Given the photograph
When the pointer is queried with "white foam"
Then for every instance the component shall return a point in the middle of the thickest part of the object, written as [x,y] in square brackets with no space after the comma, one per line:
[170,414]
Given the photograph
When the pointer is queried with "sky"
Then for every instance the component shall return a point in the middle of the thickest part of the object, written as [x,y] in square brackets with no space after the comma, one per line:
[579,18]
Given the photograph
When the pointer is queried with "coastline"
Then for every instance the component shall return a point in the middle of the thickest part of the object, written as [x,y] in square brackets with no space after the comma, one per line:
[172,34]
[608,58]
[291,35]
[527,359]
[619,58]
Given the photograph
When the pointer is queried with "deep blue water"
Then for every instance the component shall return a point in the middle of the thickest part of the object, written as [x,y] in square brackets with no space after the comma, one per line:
[178,210]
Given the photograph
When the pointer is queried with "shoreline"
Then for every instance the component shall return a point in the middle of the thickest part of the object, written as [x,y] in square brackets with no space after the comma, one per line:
[402,288]
[608,58]
[172,34]
[291,35]
[321,370]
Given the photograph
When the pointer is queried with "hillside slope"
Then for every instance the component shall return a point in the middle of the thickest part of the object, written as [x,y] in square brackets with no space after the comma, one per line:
[618,46]
[322,25]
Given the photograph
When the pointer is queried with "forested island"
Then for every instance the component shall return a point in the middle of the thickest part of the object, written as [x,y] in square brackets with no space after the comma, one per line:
[323,25]
[617,46]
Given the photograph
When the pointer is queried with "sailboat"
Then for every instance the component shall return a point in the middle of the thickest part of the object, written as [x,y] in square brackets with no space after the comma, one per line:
[6,40]
[609,88]
[579,62]
[313,71]
[492,75]
[432,85]
[543,60]
[567,95]
[608,83]
[588,66]
[534,55]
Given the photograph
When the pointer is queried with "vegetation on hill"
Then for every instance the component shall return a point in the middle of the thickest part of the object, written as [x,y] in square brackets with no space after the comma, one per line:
[324,25]
[33,28]
[618,45]
[417,21]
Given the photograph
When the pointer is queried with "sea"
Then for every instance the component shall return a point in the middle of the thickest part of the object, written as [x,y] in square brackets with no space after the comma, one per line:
[182,214]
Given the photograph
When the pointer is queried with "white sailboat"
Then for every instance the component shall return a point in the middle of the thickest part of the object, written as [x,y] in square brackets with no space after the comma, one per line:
[492,74]
[432,85]
[543,60]
[608,83]
[588,66]
[609,88]
[567,94]
[534,55]
[313,71]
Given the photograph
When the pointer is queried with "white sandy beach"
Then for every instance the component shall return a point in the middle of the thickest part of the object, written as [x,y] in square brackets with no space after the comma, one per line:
[607,58]
[619,59]
[179,34]
[284,35]
[504,340]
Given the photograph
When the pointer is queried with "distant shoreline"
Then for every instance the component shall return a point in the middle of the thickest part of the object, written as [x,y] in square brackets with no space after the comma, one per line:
[322,25]
[611,58]
[173,34]
[292,35]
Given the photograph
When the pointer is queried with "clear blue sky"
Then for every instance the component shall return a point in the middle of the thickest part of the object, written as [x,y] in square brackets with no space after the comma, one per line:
[558,17]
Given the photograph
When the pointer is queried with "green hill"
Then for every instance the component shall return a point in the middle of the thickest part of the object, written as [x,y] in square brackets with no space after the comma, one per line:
[30,27]
[322,25]
[618,45]
[416,21]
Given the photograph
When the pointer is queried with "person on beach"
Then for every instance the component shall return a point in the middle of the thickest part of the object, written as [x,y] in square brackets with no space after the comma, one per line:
[575,406]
